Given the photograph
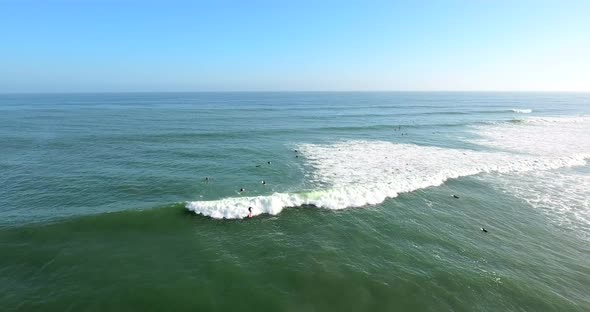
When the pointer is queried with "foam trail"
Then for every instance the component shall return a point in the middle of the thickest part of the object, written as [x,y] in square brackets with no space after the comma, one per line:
[563,196]
[363,173]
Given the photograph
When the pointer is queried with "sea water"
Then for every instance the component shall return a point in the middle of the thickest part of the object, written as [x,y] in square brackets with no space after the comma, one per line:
[134,201]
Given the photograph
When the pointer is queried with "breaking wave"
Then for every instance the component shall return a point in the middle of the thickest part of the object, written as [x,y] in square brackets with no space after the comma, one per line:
[359,173]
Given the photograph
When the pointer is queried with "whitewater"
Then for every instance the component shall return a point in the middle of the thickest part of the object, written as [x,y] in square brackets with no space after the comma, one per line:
[357,173]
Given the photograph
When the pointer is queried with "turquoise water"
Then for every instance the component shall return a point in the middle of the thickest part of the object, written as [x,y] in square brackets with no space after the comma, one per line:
[104,203]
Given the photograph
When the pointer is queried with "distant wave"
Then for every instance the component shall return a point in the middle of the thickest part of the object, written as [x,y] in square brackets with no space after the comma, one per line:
[469,112]
[572,120]
[364,173]
[521,110]
[500,111]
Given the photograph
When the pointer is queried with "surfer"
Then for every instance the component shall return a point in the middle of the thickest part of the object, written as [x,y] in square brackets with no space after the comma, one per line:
[269,162]
[484,230]
[263,182]
[249,212]
[456,196]
[242,189]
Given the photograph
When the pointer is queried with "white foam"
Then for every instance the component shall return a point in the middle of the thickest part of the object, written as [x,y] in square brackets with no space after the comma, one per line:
[360,173]
[558,120]
[541,136]
[563,196]
[522,110]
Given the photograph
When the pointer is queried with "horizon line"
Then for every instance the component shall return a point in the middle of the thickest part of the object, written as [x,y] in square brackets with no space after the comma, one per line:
[298,91]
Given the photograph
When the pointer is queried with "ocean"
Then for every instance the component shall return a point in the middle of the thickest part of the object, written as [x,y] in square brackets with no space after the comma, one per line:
[371,201]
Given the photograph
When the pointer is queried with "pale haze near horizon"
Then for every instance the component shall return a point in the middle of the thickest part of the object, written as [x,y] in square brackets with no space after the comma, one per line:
[133,46]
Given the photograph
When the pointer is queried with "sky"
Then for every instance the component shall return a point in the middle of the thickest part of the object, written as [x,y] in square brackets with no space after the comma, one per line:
[149,45]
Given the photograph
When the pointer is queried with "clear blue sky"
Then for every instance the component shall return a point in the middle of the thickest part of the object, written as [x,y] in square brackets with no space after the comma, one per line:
[132,45]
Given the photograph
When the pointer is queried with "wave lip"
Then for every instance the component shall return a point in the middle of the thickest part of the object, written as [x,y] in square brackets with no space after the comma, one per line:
[237,207]
[335,199]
